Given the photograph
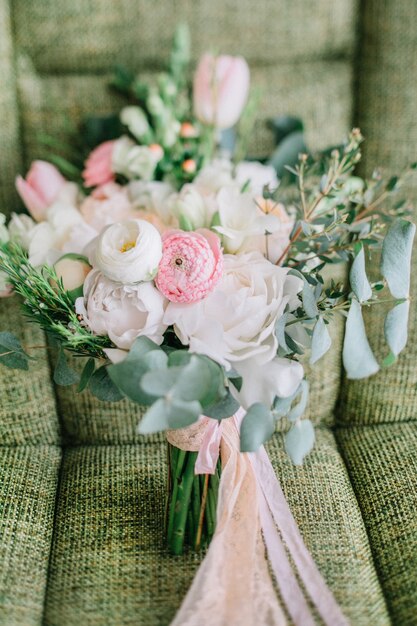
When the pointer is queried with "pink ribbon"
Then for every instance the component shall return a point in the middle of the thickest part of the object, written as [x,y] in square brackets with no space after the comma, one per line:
[251,508]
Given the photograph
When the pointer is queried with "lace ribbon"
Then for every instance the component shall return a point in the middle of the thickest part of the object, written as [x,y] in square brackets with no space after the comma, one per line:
[254,524]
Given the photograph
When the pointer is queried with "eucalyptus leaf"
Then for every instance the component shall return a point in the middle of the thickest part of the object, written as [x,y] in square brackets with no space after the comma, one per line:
[63,374]
[287,152]
[358,278]
[395,327]
[164,414]
[299,441]
[358,358]
[297,411]
[309,301]
[226,407]
[102,386]
[321,341]
[396,257]
[86,374]
[12,354]
[257,427]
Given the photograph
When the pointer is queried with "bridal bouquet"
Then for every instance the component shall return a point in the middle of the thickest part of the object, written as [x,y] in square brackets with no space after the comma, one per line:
[199,284]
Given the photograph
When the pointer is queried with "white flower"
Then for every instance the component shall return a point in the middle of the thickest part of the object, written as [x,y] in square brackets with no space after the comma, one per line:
[123,312]
[127,252]
[217,174]
[152,196]
[191,206]
[279,226]
[4,233]
[241,218]
[120,153]
[48,238]
[235,324]
[135,161]
[257,175]
[135,119]
[21,227]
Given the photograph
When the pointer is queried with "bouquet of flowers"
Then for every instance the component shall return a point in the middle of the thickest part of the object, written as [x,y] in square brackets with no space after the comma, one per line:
[198,285]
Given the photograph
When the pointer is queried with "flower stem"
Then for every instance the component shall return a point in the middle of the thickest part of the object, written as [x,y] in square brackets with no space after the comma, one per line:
[202,511]
[182,504]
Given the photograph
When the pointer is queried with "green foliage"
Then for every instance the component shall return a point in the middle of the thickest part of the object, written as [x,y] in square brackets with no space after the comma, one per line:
[396,257]
[102,386]
[63,374]
[86,374]
[358,278]
[12,353]
[321,341]
[358,358]
[395,327]
[299,440]
[257,427]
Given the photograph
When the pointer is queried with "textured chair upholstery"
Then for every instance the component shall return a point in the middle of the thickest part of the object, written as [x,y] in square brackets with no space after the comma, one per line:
[81,495]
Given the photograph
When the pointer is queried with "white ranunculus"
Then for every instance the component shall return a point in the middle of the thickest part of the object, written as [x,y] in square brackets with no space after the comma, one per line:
[123,312]
[241,218]
[135,119]
[257,175]
[192,206]
[235,324]
[127,252]
[21,227]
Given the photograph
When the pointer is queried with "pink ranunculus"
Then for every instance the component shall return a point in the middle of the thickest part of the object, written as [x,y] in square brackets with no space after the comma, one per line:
[41,187]
[191,265]
[220,90]
[98,166]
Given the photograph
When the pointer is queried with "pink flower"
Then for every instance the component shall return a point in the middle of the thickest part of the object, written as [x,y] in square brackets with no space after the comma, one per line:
[191,265]
[98,169]
[107,204]
[41,187]
[221,87]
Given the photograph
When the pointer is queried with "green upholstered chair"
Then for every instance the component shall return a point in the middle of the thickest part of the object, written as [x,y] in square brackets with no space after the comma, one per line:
[81,495]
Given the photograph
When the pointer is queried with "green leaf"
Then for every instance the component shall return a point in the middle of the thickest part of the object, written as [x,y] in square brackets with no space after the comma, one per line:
[257,427]
[63,374]
[102,386]
[86,374]
[358,278]
[179,357]
[164,414]
[358,358]
[226,407]
[297,411]
[287,152]
[396,257]
[395,327]
[143,356]
[185,223]
[299,441]
[321,341]
[309,301]
[12,354]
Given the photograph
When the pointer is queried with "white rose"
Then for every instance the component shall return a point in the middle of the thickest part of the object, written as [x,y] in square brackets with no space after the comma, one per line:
[192,206]
[127,252]
[241,218]
[235,325]
[123,312]
[21,227]
[136,121]
[257,175]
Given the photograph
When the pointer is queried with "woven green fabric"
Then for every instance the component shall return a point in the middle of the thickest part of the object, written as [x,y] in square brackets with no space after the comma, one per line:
[28,412]
[382,463]
[108,564]
[28,482]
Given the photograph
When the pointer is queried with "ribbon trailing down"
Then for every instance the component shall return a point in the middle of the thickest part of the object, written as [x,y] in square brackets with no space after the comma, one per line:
[254,525]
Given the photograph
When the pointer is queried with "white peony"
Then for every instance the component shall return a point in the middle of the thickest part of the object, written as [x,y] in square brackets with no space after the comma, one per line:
[123,312]
[127,252]
[235,325]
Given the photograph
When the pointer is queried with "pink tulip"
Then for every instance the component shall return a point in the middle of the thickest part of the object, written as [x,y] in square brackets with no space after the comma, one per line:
[41,187]
[98,170]
[221,87]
